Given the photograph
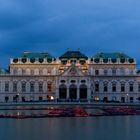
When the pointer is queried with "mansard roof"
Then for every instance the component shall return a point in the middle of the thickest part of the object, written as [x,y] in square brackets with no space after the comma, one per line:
[111,55]
[36,55]
[73,54]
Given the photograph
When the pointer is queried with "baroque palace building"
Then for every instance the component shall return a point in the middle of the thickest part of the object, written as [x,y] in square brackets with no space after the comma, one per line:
[73,76]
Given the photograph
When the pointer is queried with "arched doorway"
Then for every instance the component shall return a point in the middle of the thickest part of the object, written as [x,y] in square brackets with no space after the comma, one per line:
[83,92]
[73,92]
[62,91]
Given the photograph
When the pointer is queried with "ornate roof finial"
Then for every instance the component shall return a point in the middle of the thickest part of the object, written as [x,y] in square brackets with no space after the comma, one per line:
[78,49]
[68,49]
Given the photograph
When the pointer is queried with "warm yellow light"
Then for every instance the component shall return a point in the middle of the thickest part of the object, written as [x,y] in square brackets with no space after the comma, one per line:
[96,98]
[52,98]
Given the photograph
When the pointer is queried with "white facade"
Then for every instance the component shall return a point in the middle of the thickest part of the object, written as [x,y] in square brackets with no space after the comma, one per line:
[71,78]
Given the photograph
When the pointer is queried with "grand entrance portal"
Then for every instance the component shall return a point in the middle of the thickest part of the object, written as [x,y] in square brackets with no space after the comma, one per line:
[73,92]
[62,92]
[83,92]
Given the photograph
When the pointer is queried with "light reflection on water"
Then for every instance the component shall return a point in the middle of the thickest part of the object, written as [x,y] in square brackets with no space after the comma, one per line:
[96,128]
[89,128]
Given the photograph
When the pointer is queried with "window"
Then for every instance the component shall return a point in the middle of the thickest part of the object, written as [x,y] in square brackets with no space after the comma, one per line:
[105,87]
[96,72]
[123,87]
[97,87]
[32,85]
[40,87]
[122,71]
[23,72]
[114,87]
[40,72]
[23,87]
[113,71]
[49,72]
[32,72]
[14,87]
[15,71]
[138,87]
[7,87]
[131,72]
[49,87]
[131,87]
[105,72]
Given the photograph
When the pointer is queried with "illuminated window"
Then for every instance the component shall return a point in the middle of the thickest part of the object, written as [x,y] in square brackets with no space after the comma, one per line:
[49,72]
[96,98]
[49,87]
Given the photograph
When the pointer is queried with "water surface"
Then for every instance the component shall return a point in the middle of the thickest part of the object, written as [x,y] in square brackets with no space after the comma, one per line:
[90,128]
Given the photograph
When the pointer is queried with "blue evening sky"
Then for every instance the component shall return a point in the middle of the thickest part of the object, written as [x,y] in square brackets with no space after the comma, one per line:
[55,25]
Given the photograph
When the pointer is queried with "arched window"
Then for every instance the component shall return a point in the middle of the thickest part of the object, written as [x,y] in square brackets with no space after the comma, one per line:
[15,87]
[83,91]
[96,87]
[40,87]
[138,87]
[113,87]
[23,86]
[6,86]
[122,87]
[32,87]
[131,88]
[62,91]
[105,87]
[49,87]
[73,91]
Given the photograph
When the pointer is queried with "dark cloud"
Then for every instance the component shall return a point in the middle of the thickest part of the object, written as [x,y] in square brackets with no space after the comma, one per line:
[93,26]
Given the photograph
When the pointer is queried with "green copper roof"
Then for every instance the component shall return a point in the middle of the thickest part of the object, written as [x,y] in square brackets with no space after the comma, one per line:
[3,71]
[36,55]
[111,55]
[73,54]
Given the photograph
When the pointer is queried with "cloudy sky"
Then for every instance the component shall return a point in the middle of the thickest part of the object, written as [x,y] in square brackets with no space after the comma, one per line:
[55,25]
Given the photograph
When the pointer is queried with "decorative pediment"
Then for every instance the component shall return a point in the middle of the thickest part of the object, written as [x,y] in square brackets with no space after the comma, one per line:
[73,71]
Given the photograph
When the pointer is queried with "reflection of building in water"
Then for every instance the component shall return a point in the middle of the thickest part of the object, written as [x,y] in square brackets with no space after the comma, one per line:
[72,77]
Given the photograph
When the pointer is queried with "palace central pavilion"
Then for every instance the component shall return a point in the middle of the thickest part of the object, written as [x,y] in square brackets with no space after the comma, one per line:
[105,77]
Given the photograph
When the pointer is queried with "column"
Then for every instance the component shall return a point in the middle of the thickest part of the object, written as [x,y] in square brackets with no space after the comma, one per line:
[89,94]
[78,94]
[68,94]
